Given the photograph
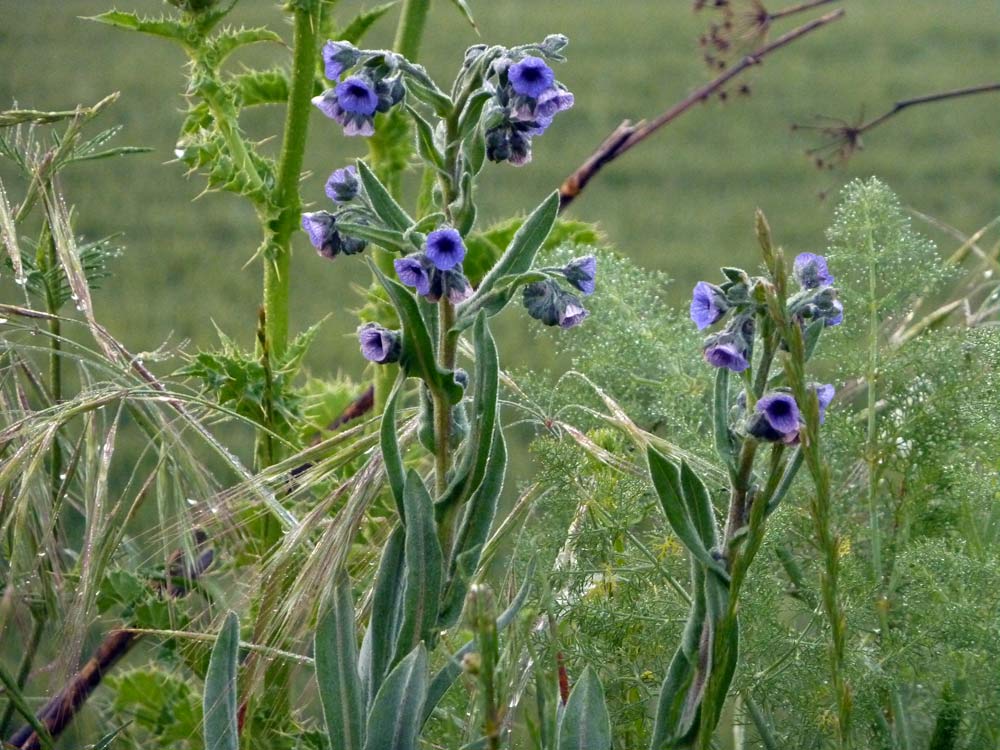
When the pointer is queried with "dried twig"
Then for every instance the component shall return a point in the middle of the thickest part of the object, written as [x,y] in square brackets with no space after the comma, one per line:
[845,138]
[57,714]
[627,135]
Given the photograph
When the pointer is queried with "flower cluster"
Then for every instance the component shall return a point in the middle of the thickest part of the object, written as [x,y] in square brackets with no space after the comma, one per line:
[526,98]
[550,303]
[732,347]
[354,101]
[437,271]
[777,418]
[342,187]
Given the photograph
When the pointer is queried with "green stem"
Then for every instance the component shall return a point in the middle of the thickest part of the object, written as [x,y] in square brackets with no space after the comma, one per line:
[24,669]
[410,30]
[55,364]
[286,192]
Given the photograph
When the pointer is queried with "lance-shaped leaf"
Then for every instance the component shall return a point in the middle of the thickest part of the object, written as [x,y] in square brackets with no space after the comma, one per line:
[473,532]
[424,564]
[383,625]
[425,143]
[417,357]
[699,505]
[337,670]
[361,23]
[520,254]
[383,203]
[450,671]
[463,7]
[397,712]
[389,441]
[669,731]
[667,482]
[220,725]
[585,724]
[475,456]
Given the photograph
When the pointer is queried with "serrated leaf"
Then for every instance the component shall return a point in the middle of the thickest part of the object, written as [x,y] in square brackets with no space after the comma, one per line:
[256,87]
[228,41]
[397,712]
[336,670]
[382,202]
[424,568]
[161,27]
[585,723]
[221,730]
[361,23]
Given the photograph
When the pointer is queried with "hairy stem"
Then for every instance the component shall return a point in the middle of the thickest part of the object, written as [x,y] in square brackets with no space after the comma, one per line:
[286,193]
[410,30]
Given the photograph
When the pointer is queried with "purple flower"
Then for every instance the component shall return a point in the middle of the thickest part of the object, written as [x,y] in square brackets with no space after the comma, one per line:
[531,77]
[824,394]
[353,124]
[343,185]
[338,57]
[708,304]
[445,248]
[836,317]
[378,344]
[539,113]
[580,273]
[357,96]
[321,226]
[726,355]
[545,301]
[810,271]
[572,313]
[451,284]
[415,270]
[780,411]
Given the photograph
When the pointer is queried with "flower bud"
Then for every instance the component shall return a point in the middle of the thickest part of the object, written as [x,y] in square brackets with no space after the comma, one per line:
[378,344]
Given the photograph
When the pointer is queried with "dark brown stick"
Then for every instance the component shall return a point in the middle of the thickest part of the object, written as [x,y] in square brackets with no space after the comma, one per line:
[626,135]
[57,714]
[926,99]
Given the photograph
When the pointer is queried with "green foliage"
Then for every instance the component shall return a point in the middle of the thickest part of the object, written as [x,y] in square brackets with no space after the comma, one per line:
[163,709]
[221,723]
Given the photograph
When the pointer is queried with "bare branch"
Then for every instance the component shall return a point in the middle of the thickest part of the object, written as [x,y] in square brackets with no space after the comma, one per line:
[627,135]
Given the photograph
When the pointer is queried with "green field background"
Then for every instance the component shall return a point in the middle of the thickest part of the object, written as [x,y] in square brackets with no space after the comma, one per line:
[682,202]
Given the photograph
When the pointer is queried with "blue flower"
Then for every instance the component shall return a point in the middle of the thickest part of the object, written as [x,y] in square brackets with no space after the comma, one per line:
[728,355]
[378,344]
[509,142]
[338,57]
[445,248]
[415,270]
[354,102]
[836,316]
[531,77]
[545,301]
[708,304]
[539,113]
[580,273]
[343,185]
[824,394]
[321,226]
[451,284]
[811,271]
[776,418]
[357,96]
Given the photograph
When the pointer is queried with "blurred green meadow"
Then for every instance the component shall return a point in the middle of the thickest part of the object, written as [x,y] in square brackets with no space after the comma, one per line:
[679,203]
